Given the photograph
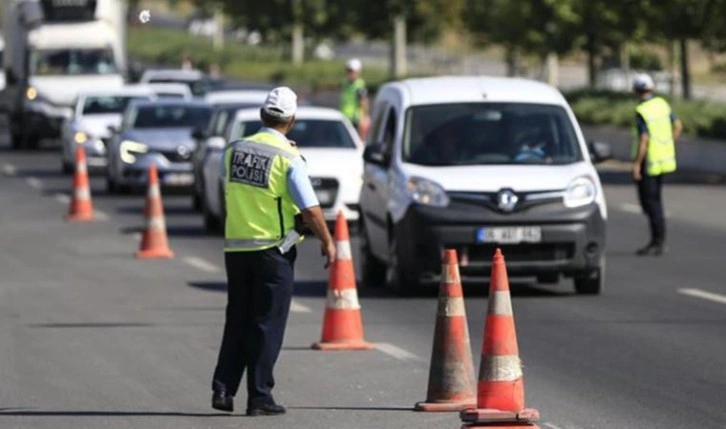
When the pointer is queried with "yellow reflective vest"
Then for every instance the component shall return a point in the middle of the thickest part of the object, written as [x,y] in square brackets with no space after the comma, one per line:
[349,103]
[260,211]
[661,155]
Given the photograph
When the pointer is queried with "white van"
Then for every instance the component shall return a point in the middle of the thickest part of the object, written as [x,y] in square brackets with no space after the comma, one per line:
[475,164]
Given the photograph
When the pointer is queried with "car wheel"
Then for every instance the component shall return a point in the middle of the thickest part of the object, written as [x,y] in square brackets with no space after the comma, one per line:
[398,279]
[111,186]
[373,271]
[591,282]
[68,167]
[197,202]
[211,223]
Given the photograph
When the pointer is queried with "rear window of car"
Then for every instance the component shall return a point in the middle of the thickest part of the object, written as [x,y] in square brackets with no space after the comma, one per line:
[170,116]
[318,133]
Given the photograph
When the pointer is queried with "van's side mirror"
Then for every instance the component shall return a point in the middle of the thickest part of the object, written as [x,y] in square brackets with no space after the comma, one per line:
[600,151]
[198,134]
[114,129]
[375,154]
[216,143]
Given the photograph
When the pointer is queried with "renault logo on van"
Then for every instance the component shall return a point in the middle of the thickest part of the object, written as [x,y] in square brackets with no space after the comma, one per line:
[506,200]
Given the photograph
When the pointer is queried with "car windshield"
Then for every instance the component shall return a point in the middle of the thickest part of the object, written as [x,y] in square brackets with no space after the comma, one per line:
[98,105]
[72,62]
[320,133]
[489,133]
[197,87]
[170,116]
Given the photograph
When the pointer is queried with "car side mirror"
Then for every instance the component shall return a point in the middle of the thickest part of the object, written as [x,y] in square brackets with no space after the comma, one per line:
[198,134]
[114,129]
[216,143]
[375,154]
[600,151]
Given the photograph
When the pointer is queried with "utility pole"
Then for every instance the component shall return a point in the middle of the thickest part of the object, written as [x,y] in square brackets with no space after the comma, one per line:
[399,67]
[298,36]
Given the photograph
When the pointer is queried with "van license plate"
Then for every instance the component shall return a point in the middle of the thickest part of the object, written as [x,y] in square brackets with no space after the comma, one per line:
[178,179]
[528,234]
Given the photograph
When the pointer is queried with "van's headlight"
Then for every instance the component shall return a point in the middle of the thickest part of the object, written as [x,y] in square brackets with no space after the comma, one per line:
[129,149]
[31,93]
[580,192]
[80,137]
[426,192]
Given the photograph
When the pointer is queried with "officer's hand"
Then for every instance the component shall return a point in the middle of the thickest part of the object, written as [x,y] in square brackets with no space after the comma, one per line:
[328,250]
[637,174]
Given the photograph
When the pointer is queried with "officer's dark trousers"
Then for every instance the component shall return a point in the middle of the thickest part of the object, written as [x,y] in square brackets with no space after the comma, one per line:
[650,190]
[259,291]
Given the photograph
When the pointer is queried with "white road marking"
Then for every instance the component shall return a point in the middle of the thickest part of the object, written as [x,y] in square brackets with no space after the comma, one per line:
[62,198]
[34,182]
[201,264]
[296,307]
[709,296]
[9,170]
[551,426]
[396,352]
[634,208]
[631,208]
[136,236]
[99,215]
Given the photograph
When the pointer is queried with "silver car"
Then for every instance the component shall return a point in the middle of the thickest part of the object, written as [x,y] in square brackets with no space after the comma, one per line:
[155,132]
[93,114]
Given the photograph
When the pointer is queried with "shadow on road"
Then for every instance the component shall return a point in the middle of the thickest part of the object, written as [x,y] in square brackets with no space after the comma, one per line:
[169,210]
[80,413]
[171,231]
[353,408]
[91,325]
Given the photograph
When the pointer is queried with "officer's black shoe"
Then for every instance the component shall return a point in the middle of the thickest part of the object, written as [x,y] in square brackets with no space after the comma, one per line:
[222,402]
[655,249]
[271,409]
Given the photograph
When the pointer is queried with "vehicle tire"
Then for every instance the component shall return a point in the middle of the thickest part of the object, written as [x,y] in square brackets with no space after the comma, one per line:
[591,282]
[211,222]
[111,186]
[548,278]
[68,168]
[373,271]
[397,279]
[197,202]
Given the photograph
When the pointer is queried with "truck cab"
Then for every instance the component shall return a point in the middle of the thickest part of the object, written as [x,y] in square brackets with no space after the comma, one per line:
[55,49]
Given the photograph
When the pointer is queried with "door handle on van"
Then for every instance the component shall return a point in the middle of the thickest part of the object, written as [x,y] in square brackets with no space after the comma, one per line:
[371,186]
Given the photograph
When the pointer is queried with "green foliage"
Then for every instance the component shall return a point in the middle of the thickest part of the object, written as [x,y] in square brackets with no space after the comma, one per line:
[701,118]
[165,46]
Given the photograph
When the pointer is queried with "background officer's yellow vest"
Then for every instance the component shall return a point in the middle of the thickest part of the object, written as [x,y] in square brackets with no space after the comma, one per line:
[661,155]
[260,211]
[349,103]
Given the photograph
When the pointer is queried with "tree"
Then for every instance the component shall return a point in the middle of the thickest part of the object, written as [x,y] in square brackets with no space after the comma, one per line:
[524,27]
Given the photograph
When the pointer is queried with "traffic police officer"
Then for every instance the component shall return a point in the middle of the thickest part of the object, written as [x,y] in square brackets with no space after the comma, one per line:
[354,97]
[266,187]
[654,156]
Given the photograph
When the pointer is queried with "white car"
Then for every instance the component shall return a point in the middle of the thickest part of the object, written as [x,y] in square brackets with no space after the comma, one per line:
[327,141]
[236,96]
[171,90]
[474,164]
[195,80]
[94,115]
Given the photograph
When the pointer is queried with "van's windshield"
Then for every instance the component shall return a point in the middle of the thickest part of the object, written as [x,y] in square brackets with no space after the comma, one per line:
[489,133]
[72,62]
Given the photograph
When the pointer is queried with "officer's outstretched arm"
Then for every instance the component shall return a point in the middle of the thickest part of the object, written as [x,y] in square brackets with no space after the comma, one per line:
[314,219]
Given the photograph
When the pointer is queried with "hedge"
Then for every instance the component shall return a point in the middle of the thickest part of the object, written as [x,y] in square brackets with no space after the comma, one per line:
[701,118]
[236,60]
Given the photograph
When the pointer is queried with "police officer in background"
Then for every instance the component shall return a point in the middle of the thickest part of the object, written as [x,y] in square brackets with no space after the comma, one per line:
[354,101]
[266,187]
[654,156]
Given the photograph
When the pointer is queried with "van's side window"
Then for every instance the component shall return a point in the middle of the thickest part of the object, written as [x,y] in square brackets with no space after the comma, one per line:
[380,114]
[389,133]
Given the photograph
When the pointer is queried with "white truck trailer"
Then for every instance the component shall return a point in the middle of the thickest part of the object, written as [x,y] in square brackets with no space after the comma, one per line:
[53,50]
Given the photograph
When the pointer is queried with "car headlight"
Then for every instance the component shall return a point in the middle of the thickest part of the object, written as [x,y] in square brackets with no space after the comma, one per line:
[426,192]
[80,137]
[129,149]
[31,93]
[580,192]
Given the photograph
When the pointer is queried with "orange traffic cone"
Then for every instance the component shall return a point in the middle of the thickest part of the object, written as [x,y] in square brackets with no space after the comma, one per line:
[342,323]
[500,396]
[154,244]
[81,207]
[451,376]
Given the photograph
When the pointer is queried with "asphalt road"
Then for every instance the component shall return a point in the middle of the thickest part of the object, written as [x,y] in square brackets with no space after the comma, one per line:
[92,338]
